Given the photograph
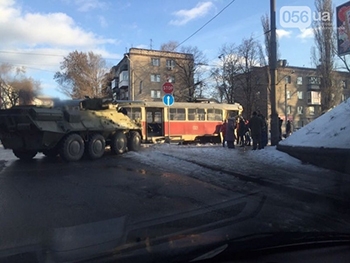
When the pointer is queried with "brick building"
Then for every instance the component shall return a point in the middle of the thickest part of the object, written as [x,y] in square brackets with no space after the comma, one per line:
[142,72]
[298,93]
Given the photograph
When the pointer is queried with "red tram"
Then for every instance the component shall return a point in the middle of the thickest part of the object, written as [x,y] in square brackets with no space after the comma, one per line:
[183,121]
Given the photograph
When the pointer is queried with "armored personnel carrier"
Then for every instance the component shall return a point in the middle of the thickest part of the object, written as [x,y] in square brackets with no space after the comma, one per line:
[70,129]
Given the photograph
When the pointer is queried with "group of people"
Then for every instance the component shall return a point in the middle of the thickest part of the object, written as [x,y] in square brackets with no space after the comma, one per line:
[245,132]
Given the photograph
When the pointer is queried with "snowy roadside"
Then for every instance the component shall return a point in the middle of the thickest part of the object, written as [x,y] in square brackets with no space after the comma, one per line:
[239,160]
[214,163]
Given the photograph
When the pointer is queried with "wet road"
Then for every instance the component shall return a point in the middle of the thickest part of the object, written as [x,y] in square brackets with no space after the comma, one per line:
[40,200]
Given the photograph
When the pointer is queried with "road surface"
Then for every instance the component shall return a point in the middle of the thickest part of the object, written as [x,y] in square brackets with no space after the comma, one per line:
[43,202]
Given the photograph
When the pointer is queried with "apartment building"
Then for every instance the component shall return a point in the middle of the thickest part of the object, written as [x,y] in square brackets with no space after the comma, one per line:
[298,93]
[142,72]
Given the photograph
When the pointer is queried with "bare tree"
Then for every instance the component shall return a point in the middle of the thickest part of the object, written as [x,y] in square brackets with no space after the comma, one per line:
[249,53]
[15,87]
[82,74]
[191,70]
[225,75]
[187,70]
[171,46]
[219,91]
[324,52]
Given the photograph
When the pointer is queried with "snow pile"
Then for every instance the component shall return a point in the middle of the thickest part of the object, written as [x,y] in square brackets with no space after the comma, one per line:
[330,130]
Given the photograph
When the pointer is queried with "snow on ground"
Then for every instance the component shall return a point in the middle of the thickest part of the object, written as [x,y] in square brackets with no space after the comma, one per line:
[239,160]
[331,130]
[219,166]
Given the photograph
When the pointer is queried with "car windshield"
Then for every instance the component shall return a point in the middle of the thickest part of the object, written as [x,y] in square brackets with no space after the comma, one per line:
[138,131]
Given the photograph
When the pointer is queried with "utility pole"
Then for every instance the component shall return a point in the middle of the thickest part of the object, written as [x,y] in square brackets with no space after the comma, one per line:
[273,65]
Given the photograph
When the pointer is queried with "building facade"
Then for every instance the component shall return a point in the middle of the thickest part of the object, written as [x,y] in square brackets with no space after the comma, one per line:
[298,93]
[141,74]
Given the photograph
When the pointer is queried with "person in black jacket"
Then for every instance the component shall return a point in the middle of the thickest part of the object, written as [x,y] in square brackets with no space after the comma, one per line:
[256,126]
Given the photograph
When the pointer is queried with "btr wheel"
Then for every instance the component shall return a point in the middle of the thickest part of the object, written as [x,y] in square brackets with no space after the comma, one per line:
[25,155]
[95,147]
[118,143]
[72,148]
[134,143]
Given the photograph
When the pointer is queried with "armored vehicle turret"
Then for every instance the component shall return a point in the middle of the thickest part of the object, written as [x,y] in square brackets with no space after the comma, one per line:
[70,128]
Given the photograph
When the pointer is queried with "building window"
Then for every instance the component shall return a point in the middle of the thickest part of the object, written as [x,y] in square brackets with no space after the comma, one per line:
[155,62]
[343,97]
[288,94]
[301,123]
[289,109]
[343,84]
[141,87]
[155,94]
[299,80]
[170,64]
[314,97]
[177,114]
[300,95]
[300,110]
[311,110]
[155,77]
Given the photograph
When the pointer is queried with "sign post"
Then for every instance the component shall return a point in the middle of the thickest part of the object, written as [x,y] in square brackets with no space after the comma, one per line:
[168,100]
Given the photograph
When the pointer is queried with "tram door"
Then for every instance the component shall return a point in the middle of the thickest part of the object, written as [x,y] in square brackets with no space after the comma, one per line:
[154,122]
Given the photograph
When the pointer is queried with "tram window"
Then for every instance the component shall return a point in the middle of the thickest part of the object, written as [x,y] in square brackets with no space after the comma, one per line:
[134,113]
[196,115]
[158,117]
[177,114]
[149,117]
[214,115]
[232,113]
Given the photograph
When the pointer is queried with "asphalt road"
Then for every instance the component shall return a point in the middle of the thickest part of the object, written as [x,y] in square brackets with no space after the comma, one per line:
[50,205]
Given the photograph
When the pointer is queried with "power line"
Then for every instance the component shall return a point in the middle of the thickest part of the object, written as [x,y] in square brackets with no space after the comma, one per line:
[205,24]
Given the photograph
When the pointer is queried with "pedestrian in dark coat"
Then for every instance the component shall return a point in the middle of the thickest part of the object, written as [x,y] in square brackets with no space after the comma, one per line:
[288,128]
[256,126]
[280,122]
[223,132]
[230,133]
[264,135]
[241,131]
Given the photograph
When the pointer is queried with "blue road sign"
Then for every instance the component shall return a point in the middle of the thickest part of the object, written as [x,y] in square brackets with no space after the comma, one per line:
[168,99]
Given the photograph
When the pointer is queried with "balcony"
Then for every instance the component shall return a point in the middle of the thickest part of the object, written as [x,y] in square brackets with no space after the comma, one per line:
[313,83]
[313,87]
[124,84]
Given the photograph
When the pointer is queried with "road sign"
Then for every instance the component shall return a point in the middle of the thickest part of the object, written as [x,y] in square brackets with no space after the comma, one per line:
[168,87]
[168,99]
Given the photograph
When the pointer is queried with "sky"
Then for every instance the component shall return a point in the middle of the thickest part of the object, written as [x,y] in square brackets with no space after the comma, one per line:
[39,34]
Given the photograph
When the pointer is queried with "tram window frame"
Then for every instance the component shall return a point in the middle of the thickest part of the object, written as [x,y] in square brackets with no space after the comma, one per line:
[132,113]
[178,114]
[214,115]
[195,115]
